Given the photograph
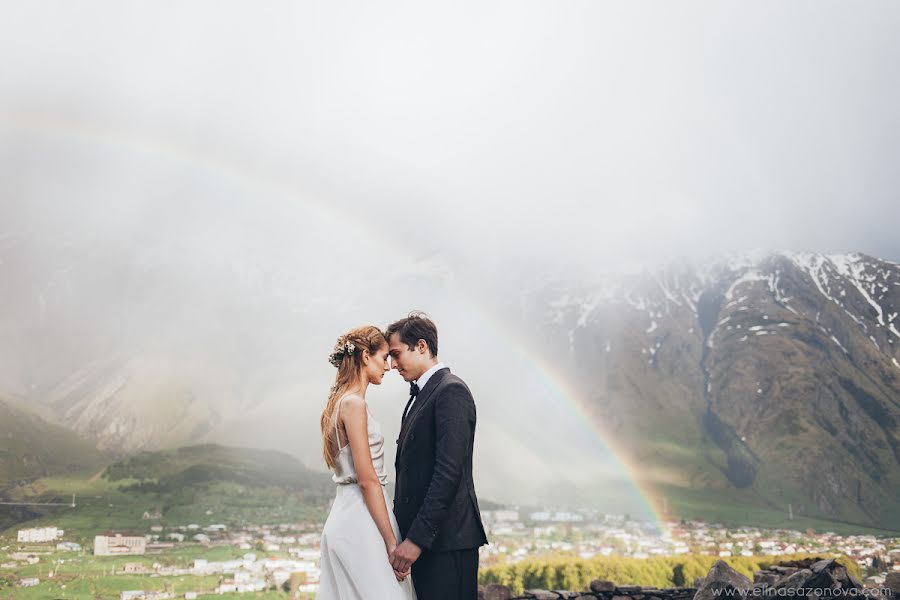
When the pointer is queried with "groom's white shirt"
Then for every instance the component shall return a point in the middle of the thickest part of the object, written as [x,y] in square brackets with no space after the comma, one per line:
[421,381]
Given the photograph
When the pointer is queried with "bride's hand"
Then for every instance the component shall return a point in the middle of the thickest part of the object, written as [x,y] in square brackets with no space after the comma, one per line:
[390,547]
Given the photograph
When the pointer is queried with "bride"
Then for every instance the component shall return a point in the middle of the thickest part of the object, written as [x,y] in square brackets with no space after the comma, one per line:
[360,532]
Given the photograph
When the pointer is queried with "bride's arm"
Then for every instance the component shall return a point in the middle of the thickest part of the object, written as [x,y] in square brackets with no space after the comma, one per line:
[353,415]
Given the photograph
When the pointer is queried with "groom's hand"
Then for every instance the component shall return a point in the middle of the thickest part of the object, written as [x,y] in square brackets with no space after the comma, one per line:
[405,555]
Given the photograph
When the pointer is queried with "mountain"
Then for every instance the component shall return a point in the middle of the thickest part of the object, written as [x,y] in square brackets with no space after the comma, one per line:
[766,381]
[144,332]
[770,380]
[30,447]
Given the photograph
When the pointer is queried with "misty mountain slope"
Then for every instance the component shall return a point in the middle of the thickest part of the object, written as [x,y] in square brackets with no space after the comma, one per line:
[773,376]
[146,327]
[31,447]
[145,402]
[766,379]
[805,382]
[179,307]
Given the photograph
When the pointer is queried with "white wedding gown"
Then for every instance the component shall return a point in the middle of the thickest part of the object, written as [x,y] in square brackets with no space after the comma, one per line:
[354,563]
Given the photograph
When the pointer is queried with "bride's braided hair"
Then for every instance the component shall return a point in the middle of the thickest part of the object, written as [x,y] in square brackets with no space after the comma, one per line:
[347,358]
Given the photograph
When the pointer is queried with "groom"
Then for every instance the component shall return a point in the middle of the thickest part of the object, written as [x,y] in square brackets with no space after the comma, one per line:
[434,498]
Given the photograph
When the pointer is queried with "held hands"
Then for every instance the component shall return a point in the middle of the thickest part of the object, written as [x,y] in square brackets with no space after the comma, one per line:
[400,575]
[404,556]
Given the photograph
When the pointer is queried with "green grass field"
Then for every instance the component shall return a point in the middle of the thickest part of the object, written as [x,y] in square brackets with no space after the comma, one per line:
[726,508]
[85,576]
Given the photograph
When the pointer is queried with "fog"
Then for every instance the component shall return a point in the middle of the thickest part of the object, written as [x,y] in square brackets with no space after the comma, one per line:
[605,129]
[275,174]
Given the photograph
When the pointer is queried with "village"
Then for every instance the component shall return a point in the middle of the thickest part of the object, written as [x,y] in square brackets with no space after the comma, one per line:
[191,560]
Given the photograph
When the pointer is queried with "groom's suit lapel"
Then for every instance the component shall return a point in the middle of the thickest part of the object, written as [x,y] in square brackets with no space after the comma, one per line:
[421,399]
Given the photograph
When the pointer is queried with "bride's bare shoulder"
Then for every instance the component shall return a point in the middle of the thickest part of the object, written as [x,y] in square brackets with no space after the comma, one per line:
[353,401]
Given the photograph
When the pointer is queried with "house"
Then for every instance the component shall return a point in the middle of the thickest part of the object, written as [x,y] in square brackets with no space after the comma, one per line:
[39,534]
[144,595]
[242,577]
[112,544]
[70,546]
[159,546]
[280,575]
[135,567]
[230,585]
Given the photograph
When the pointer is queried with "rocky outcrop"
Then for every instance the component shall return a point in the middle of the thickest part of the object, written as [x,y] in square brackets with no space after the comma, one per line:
[721,581]
[892,582]
[819,577]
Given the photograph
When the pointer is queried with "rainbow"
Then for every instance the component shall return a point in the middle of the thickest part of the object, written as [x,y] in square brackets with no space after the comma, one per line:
[554,384]
[244,173]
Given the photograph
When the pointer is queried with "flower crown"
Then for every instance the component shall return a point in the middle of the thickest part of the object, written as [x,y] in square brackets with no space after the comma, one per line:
[343,347]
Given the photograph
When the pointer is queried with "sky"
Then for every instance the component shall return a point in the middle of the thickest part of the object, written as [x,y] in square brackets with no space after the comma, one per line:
[498,133]
[345,162]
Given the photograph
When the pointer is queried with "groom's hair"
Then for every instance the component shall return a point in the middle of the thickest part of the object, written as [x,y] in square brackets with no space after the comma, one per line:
[417,326]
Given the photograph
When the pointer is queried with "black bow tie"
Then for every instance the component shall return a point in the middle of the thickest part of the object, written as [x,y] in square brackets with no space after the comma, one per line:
[413,392]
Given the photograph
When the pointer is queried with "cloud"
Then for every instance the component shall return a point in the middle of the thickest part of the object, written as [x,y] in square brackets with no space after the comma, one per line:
[597,131]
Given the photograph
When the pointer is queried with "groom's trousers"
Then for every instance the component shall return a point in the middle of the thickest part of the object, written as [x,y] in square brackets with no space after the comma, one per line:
[451,575]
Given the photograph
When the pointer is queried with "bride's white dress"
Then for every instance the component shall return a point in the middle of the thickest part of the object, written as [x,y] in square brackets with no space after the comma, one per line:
[354,562]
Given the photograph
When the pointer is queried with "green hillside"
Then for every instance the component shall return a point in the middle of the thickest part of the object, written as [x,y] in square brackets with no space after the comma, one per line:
[32,447]
[169,470]
[197,484]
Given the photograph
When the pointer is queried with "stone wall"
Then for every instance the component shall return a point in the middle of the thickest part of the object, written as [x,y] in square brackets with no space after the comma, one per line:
[605,590]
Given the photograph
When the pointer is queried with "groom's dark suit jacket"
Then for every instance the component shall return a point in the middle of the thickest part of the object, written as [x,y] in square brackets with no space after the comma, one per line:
[434,497]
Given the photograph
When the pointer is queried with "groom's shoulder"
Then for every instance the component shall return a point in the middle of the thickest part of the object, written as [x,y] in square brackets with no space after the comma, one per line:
[455,382]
